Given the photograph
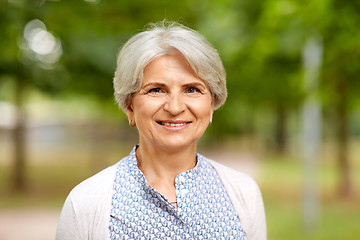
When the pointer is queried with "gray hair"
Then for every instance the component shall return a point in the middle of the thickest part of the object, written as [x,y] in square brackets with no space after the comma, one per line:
[161,39]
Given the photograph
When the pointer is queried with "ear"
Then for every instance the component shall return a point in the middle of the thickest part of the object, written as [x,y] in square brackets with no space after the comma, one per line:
[130,112]
[212,109]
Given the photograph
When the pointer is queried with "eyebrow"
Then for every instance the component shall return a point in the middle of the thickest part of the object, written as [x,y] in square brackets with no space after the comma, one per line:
[191,84]
[195,84]
[154,84]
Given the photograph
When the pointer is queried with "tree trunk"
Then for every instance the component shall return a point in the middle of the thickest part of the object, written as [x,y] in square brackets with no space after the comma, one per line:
[19,138]
[280,128]
[342,142]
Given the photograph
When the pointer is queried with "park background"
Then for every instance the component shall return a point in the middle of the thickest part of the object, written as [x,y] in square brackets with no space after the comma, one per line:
[291,120]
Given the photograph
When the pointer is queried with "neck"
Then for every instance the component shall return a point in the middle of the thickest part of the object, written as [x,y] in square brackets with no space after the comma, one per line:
[163,162]
[161,166]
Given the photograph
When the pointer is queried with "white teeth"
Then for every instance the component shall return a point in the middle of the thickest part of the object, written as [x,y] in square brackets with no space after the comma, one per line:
[173,124]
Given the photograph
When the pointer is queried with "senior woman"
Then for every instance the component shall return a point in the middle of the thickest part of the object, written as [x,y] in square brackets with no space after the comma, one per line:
[169,80]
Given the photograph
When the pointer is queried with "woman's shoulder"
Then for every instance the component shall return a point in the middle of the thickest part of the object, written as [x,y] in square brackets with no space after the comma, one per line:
[242,188]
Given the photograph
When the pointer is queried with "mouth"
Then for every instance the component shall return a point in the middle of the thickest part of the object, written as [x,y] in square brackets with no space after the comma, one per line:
[172,124]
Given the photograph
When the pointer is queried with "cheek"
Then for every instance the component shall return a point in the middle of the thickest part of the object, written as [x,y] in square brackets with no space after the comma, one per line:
[147,108]
[202,110]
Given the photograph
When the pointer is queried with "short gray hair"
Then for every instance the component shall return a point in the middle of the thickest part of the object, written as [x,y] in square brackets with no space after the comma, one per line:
[160,39]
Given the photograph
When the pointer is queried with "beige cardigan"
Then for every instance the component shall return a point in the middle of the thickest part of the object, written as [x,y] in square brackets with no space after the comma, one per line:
[86,212]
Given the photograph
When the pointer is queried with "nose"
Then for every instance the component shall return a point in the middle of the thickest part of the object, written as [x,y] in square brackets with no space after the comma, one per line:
[174,104]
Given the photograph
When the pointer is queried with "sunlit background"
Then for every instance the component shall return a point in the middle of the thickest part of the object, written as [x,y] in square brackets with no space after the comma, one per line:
[291,120]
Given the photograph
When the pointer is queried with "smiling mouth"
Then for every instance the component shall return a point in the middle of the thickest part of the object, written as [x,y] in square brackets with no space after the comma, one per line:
[171,124]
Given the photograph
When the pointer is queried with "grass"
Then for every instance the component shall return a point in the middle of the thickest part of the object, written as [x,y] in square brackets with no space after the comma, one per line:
[282,186]
[337,220]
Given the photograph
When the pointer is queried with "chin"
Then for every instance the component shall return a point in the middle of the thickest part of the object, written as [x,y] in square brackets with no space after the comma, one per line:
[176,145]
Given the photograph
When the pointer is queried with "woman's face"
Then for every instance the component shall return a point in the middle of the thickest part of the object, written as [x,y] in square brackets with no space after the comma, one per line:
[173,107]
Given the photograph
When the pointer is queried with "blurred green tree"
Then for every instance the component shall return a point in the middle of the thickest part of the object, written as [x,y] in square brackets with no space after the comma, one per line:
[341,73]
[261,43]
[18,68]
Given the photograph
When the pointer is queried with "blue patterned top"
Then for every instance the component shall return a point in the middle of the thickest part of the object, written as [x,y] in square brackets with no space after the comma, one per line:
[204,209]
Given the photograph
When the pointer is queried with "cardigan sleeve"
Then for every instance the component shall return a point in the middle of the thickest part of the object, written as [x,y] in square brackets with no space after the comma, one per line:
[68,225]
[258,229]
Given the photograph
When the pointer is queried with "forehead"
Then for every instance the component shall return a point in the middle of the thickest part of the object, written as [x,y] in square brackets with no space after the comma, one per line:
[170,67]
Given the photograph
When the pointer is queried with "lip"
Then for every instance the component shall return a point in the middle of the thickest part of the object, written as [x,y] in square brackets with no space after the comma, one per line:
[173,125]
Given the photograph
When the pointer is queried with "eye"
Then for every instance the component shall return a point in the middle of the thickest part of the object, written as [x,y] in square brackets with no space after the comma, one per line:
[155,91]
[192,90]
